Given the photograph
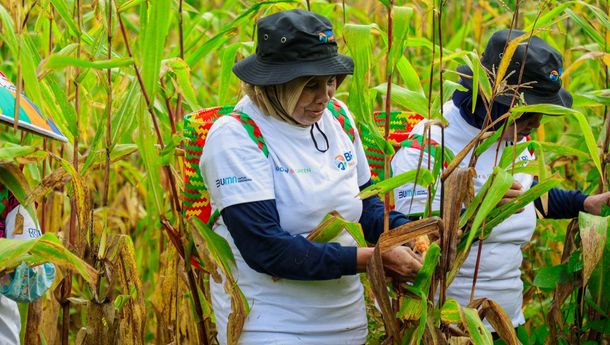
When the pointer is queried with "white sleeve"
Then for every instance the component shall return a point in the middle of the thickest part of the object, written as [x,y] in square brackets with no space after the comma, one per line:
[404,160]
[20,225]
[363,169]
[234,168]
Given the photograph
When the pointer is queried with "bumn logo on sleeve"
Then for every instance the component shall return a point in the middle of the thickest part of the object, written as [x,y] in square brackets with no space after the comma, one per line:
[223,181]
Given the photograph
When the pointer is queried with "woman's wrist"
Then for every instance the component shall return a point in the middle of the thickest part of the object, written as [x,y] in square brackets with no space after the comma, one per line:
[363,255]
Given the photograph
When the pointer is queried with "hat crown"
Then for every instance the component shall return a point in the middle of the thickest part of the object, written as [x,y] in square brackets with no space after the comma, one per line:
[289,36]
[542,65]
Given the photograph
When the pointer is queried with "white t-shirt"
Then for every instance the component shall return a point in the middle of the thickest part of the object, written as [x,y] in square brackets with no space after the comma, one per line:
[499,276]
[306,184]
[10,322]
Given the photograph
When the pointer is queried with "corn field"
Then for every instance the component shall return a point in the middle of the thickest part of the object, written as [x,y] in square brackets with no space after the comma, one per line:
[118,78]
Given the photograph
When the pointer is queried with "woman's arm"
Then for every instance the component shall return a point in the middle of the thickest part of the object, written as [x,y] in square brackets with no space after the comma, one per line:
[268,249]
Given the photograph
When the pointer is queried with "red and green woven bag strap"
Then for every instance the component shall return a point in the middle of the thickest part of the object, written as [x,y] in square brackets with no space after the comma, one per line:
[401,124]
[341,115]
[196,197]
[432,147]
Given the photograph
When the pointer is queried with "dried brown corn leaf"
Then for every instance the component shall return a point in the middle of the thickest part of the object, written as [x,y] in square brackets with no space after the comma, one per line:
[496,316]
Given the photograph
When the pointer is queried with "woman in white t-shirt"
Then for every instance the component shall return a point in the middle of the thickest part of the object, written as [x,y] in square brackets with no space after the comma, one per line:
[270,201]
[499,275]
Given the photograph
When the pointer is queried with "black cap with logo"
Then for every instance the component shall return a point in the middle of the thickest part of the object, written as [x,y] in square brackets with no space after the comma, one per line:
[293,44]
[541,80]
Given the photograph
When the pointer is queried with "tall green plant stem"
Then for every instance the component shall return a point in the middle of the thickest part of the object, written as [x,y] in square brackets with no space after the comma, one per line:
[445,242]
[429,133]
[388,102]
[18,81]
[178,111]
[605,153]
[151,111]
[72,234]
[108,106]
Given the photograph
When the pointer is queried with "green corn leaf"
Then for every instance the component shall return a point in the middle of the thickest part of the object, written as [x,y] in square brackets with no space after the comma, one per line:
[410,100]
[218,247]
[562,150]
[216,252]
[183,80]
[60,109]
[587,28]
[61,6]
[552,109]
[550,17]
[331,226]
[598,13]
[37,251]
[409,75]
[595,96]
[123,119]
[502,182]
[411,309]
[421,303]
[101,129]
[487,143]
[60,61]
[150,158]
[479,334]
[484,202]
[358,39]
[500,214]
[10,154]
[401,16]
[28,56]
[226,73]
[550,276]
[154,32]
[229,30]
[451,312]
[424,178]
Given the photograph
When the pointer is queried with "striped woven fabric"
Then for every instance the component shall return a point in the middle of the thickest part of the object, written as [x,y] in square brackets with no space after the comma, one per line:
[196,197]
[401,124]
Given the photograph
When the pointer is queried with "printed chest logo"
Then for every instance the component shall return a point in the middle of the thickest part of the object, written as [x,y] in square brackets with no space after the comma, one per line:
[345,160]
[292,171]
[223,181]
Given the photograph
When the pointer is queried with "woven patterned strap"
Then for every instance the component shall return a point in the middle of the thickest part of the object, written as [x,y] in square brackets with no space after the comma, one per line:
[341,115]
[401,124]
[196,197]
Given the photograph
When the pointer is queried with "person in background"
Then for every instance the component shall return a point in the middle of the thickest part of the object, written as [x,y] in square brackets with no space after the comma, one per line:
[25,284]
[270,203]
[499,275]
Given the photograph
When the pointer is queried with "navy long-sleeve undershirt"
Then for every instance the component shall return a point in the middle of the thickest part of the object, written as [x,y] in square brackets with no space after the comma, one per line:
[562,203]
[267,248]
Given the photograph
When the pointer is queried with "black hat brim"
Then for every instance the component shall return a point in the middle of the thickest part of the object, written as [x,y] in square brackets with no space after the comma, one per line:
[256,72]
[563,97]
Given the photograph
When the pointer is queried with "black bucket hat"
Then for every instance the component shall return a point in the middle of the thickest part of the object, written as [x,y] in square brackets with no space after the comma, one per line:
[293,44]
[542,72]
